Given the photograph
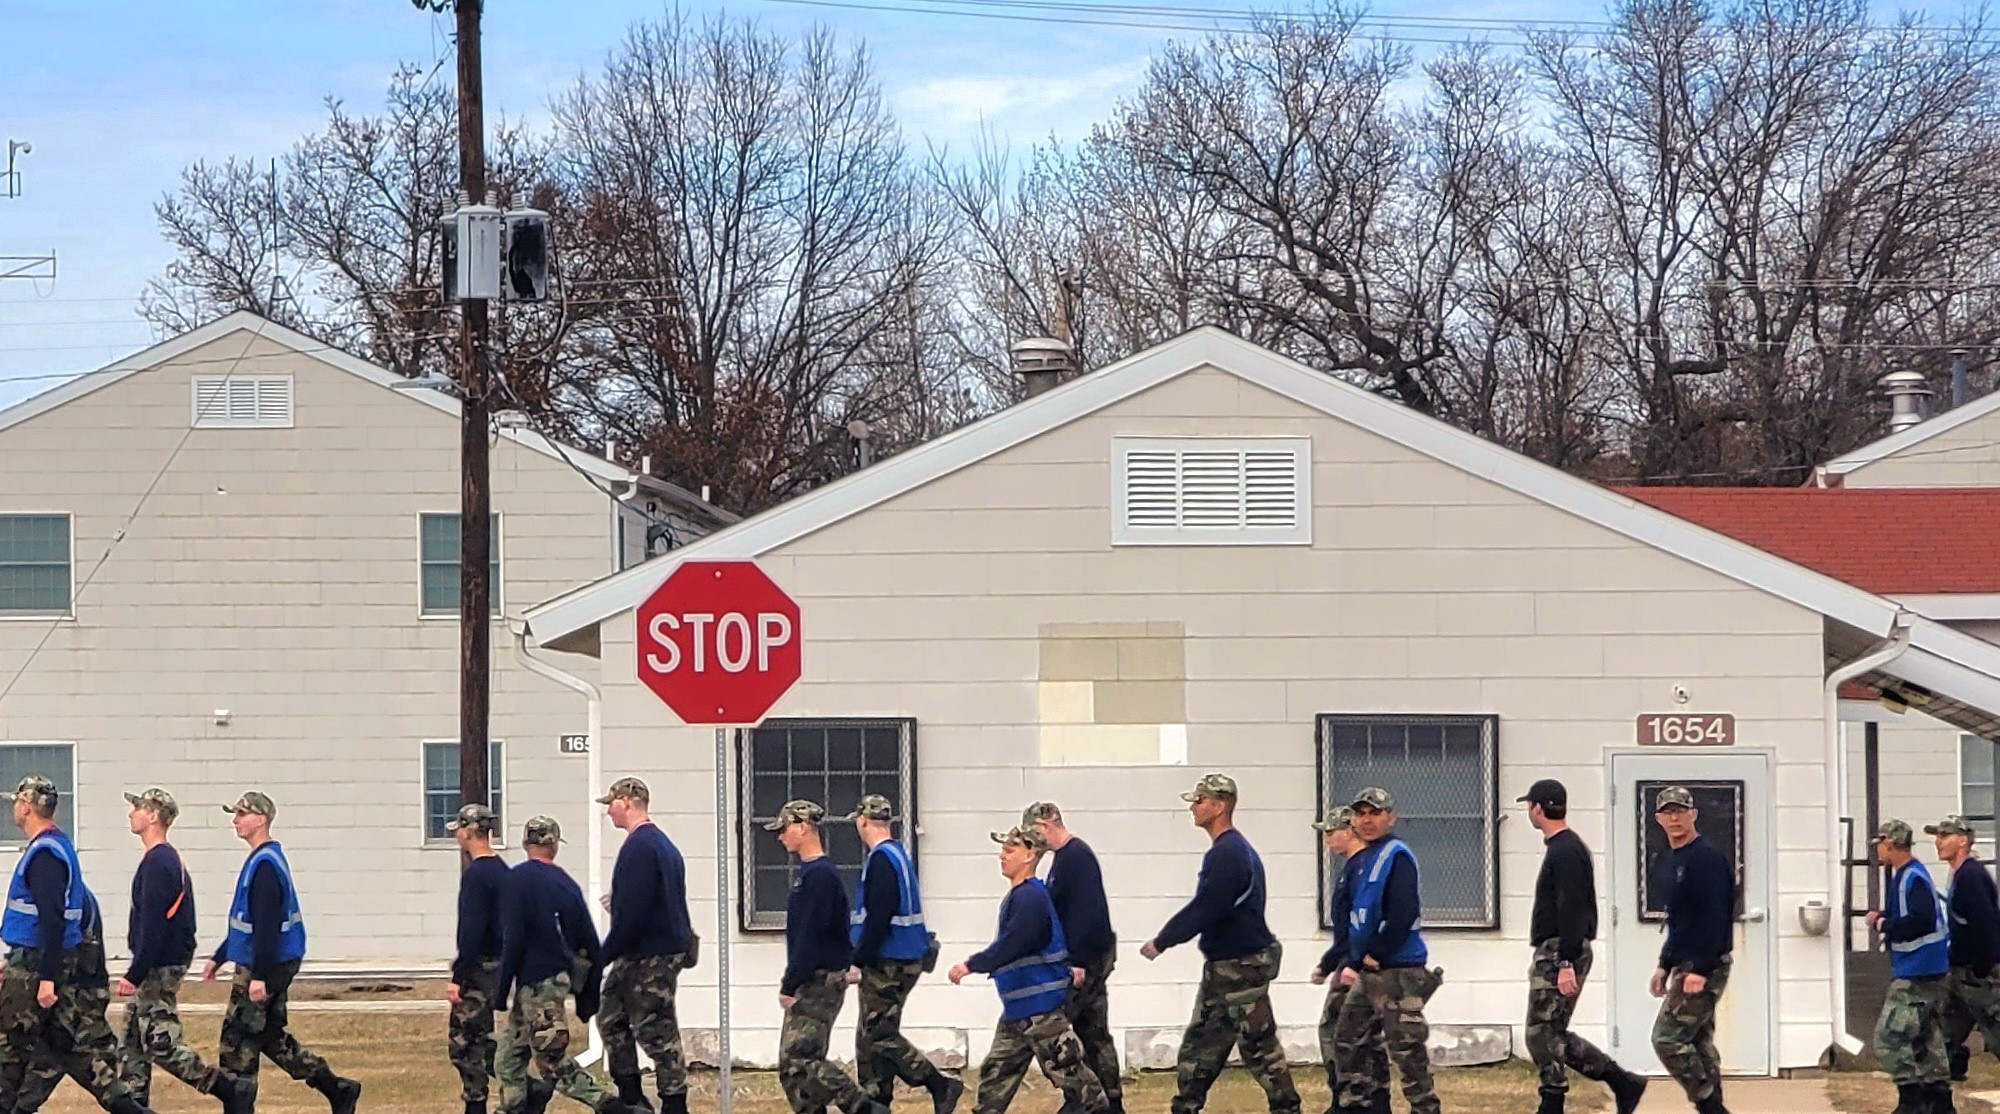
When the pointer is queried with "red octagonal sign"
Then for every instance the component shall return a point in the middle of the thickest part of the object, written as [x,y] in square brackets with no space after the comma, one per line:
[719,642]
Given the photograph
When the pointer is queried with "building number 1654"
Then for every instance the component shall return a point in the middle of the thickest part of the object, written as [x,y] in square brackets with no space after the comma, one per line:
[1687,730]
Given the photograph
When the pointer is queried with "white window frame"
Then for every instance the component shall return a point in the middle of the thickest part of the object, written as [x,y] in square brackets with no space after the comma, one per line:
[68,611]
[497,784]
[1299,533]
[198,420]
[499,570]
[12,839]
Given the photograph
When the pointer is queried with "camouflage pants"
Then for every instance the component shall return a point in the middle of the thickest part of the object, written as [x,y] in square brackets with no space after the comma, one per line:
[639,1013]
[1909,1036]
[1089,1012]
[882,1054]
[38,1047]
[1233,1009]
[1684,1034]
[1046,1037]
[1391,1002]
[153,1036]
[1553,1047]
[1972,1001]
[811,1081]
[535,1048]
[255,1029]
[1329,1044]
[470,1035]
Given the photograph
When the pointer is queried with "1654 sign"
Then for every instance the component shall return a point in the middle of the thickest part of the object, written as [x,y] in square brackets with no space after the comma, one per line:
[1687,729]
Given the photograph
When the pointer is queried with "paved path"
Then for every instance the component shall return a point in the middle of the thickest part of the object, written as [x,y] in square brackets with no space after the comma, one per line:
[1746,1096]
[439,1006]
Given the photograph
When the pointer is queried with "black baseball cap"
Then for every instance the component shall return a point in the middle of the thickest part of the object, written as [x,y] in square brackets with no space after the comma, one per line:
[1547,791]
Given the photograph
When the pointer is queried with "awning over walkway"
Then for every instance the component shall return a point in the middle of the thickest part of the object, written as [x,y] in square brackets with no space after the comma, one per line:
[1945,674]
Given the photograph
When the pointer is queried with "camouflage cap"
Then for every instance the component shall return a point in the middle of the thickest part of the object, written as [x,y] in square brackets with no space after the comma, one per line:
[796,812]
[37,791]
[1040,810]
[1374,797]
[1339,818]
[157,801]
[1024,836]
[1953,825]
[630,788]
[1220,787]
[477,817]
[1672,797]
[541,831]
[872,807]
[1896,832]
[253,802]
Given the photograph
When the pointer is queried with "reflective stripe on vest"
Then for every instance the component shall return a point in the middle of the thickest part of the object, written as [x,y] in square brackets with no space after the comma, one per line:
[1035,984]
[1366,916]
[239,945]
[1929,954]
[907,937]
[20,924]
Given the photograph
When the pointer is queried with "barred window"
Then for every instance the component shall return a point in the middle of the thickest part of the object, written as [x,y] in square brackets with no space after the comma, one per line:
[834,762]
[1443,772]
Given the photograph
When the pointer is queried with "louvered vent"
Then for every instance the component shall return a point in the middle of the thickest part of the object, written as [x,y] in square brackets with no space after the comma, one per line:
[242,401]
[1207,491]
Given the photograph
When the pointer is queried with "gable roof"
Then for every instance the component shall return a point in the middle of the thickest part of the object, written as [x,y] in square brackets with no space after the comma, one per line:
[1890,541]
[258,326]
[1915,435]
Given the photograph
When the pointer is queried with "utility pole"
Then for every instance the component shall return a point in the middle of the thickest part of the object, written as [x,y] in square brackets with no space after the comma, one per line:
[475,519]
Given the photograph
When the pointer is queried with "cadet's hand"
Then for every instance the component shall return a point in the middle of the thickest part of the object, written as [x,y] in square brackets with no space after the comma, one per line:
[1318,976]
[1349,976]
[208,972]
[1076,976]
[1659,984]
[1151,950]
[1371,963]
[1692,983]
[606,902]
[45,994]
[1566,984]
[259,993]
[451,993]
[1874,918]
[853,975]
[958,973]
[785,1000]
[126,989]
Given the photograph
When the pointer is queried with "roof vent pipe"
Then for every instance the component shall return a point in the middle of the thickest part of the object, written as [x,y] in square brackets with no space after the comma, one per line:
[1041,362]
[1909,394]
[1961,390]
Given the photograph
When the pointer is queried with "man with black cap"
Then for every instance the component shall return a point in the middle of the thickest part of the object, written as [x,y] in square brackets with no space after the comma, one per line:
[1563,924]
[1076,885]
[475,969]
[651,941]
[1241,958]
[1386,970]
[1909,1035]
[1972,988]
[1694,961]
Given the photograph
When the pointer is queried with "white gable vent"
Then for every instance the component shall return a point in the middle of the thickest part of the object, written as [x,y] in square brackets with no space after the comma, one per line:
[242,401]
[1211,491]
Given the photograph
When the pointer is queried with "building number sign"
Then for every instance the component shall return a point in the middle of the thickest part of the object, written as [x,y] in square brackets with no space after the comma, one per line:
[1686,729]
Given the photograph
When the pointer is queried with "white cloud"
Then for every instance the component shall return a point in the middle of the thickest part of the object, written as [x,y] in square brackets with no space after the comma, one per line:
[1020,103]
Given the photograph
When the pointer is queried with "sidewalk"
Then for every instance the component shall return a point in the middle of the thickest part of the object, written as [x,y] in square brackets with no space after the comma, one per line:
[1746,1096]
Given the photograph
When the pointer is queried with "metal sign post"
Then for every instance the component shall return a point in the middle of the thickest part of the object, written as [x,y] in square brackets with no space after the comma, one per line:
[724,1092]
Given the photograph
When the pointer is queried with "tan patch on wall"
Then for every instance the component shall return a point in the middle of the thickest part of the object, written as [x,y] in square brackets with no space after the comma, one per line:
[1113,694]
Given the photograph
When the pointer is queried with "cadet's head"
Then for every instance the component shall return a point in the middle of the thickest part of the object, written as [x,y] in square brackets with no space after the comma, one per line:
[1674,811]
[1212,801]
[1953,836]
[627,802]
[153,811]
[1374,813]
[251,816]
[797,825]
[1892,842]
[473,827]
[1338,830]
[1548,804]
[871,818]
[35,801]
[1046,820]
[1020,850]
[540,837]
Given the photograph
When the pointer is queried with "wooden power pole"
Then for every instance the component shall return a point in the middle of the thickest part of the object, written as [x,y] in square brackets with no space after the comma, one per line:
[475,521]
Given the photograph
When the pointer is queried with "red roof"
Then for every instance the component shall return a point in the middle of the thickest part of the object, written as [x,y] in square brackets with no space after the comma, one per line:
[1891,541]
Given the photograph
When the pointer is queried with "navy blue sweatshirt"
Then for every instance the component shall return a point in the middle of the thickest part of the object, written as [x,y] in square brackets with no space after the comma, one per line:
[1338,907]
[1227,910]
[815,924]
[1975,918]
[1701,909]
[1076,886]
[480,887]
[1025,930]
[548,924]
[881,897]
[267,914]
[649,913]
[1401,907]
[160,886]
[48,885]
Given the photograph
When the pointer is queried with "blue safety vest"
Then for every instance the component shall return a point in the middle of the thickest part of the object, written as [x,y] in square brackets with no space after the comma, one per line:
[237,947]
[1365,915]
[1035,984]
[20,927]
[1929,954]
[908,939]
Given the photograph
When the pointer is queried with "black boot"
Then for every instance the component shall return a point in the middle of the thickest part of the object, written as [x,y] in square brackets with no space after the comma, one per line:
[1552,1101]
[1910,1099]
[128,1105]
[539,1094]
[1961,1059]
[236,1093]
[669,1104]
[1940,1099]
[865,1105]
[1627,1088]
[475,1106]
[1379,1104]
[341,1094]
[631,1090]
[945,1092]
[1711,1105]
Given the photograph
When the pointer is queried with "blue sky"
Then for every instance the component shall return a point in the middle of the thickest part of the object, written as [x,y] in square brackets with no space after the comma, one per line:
[118,96]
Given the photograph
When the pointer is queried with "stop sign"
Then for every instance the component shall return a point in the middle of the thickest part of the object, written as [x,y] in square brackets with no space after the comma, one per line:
[719,642]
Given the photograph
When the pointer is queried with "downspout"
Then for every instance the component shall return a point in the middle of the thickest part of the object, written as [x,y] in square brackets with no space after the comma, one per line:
[593,774]
[1882,653]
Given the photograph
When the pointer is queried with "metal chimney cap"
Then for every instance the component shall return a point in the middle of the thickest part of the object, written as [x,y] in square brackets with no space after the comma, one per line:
[1034,353]
[1905,382]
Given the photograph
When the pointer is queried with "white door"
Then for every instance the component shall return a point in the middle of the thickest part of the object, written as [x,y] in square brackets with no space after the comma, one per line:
[1732,791]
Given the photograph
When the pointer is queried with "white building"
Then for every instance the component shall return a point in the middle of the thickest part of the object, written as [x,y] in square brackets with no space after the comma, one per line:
[230,562]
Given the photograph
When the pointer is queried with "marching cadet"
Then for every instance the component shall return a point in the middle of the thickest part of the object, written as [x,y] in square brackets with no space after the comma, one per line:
[1338,832]
[1694,961]
[892,948]
[265,943]
[1909,1036]
[1972,994]
[50,1015]
[650,943]
[1560,929]
[475,968]
[549,954]
[1030,965]
[1241,957]
[815,979]
[1076,886]
[1387,981]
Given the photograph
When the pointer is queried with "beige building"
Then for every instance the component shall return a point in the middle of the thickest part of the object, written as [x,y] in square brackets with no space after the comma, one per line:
[1208,557]
[230,561]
